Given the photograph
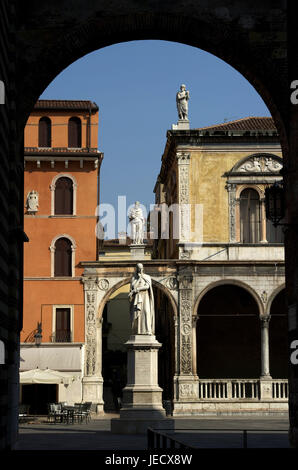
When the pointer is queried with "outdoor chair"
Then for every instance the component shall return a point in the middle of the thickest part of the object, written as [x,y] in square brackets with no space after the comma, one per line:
[55,413]
[23,412]
[86,411]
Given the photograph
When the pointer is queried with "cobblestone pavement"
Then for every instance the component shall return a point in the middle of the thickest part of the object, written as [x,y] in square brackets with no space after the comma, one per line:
[203,432]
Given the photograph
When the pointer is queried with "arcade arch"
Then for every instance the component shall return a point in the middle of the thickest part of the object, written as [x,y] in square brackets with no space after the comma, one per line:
[114,312]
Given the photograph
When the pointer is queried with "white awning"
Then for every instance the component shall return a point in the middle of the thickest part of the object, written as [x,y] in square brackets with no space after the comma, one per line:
[68,358]
[45,376]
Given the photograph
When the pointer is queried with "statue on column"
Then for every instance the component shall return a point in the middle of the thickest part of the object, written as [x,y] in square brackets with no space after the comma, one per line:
[137,221]
[142,303]
[182,99]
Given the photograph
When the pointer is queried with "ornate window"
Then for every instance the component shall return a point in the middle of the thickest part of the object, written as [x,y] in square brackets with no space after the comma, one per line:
[74,133]
[44,132]
[63,195]
[246,184]
[250,216]
[63,256]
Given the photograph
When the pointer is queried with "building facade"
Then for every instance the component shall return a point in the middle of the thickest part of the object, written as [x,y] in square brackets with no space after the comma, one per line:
[216,263]
[61,192]
[217,270]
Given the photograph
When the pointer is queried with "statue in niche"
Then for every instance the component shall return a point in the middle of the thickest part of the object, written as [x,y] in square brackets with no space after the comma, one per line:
[32,202]
[142,303]
[137,221]
[182,99]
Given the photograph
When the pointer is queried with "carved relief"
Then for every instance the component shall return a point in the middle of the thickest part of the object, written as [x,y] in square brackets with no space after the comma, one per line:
[232,210]
[90,287]
[264,297]
[185,298]
[32,202]
[260,164]
[183,175]
[172,283]
[103,284]
[186,390]
[186,355]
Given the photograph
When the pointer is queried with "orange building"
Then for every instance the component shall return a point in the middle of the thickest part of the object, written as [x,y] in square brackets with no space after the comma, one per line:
[61,192]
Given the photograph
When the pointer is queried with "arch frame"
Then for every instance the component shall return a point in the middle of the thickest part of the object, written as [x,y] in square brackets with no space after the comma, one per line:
[74,189]
[272,296]
[126,281]
[228,281]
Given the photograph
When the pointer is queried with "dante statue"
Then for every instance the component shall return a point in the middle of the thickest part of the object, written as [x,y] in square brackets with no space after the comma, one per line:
[137,224]
[182,98]
[142,303]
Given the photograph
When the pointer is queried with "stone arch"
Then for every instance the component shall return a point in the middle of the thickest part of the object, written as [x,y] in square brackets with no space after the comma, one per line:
[228,332]
[272,297]
[92,28]
[244,186]
[125,281]
[278,334]
[165,328]
[227,281]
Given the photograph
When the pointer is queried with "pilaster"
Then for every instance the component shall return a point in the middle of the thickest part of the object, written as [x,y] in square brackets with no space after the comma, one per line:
[185,380]
[92,380]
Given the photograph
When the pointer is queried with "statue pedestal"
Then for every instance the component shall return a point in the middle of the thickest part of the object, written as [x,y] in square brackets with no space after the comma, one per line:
[182,125]
[137,251]
[142,396]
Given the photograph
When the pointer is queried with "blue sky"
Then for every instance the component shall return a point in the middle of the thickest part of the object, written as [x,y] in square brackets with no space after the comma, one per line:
[135,84]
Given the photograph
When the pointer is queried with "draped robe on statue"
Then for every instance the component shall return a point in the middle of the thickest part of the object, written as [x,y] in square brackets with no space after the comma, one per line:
[142,305]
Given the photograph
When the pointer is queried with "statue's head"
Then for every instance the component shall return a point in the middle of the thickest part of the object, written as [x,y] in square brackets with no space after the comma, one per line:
[137,203]
[183,87]
[140,267]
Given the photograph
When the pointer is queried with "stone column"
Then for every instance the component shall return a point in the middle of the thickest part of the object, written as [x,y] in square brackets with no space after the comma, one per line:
[265,366]
[265,379]
[263,222]
[186,380]
[92,380]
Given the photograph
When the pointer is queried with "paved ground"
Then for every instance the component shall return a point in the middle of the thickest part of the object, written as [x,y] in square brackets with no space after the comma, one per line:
[203,432]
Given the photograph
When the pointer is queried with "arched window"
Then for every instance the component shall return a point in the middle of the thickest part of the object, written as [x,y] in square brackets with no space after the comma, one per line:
[63,257]
[74,133]
[250,216]
[44,132]
[64,196]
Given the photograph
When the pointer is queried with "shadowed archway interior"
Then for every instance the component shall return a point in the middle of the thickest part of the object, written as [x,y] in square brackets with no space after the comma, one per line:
[228,334]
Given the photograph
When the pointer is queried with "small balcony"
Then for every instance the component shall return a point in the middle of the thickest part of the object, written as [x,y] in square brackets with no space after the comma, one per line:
[61,337]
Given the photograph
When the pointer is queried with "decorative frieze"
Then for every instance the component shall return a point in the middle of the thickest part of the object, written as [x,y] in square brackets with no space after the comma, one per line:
[183,160]
[231,188]
[260,164]
[90,288]
[185,313]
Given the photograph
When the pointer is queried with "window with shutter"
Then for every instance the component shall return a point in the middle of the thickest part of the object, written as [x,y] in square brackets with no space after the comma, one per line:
[74,133]
[44,132]
[64,196]
[250,216]
[63,258]
[63,330]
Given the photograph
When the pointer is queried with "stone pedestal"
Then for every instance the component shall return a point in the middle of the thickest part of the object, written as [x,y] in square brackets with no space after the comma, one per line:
[142,396]
[182,125]
[137,252]
[92,391]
